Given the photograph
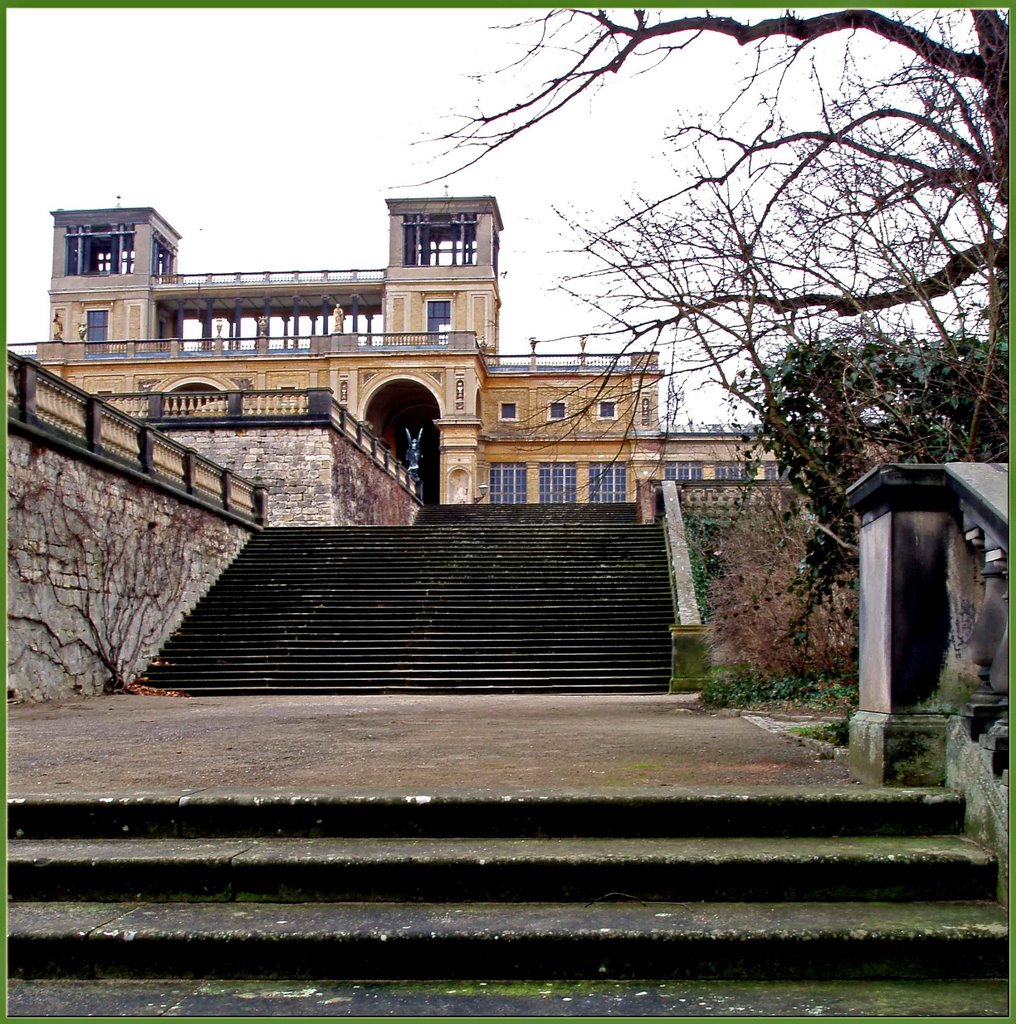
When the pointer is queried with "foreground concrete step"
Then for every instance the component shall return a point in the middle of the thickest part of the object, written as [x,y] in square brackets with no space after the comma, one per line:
[300,998]
[386,941]
[632,813]
[582,870]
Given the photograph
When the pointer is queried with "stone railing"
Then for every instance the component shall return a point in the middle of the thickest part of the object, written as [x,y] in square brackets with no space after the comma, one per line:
[933,618]
[263,277]
[580,362]
[238,409]
[290,345]
[39,401]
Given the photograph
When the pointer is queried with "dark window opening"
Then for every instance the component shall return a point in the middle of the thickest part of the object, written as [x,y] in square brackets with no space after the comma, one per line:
[509,411]
[97,322]
[608,411]
[557,410]
[162,256]
[439,240]
[439,317]
[102,249]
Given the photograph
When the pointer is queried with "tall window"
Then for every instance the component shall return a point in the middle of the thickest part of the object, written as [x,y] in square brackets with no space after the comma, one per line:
[608,482]
[771,470]
[439,240]
[97,322]
[439,317]
[507,483]
[682,471]
[557,483]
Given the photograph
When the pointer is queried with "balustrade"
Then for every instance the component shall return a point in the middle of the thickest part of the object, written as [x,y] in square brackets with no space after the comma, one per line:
[44,404]
[928,533]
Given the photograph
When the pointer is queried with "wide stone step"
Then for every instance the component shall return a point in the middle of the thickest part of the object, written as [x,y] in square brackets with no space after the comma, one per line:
[374,941]
[493,870]
[498,999]
[656,812]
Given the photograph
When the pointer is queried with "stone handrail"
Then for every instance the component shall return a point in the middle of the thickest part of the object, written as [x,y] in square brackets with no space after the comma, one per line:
[287,345]
[41,402]
[312,406]
[934,638]
[579,362]
[261,277]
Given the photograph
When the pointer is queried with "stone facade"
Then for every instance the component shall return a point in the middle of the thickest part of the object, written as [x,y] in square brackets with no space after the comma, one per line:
[314,475]
[101,569]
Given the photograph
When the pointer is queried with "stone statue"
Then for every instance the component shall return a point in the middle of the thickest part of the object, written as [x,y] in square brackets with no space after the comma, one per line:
[262,327]
[57,327]
[82,331]
[219,324]
[339,315]
[413,454]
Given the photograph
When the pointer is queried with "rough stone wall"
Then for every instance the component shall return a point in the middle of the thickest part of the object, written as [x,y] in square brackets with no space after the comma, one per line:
[314,476]
[101,569]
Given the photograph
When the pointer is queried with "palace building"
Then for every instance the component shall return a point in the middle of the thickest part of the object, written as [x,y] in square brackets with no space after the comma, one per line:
[412,350]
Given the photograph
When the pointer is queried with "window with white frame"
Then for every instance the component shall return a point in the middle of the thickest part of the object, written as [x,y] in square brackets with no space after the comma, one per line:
[557,483]
[439,316]
[507,483]
[608,482]
[682,471]
[731,471]
[608,411]
[97,323]
[771,470]
[509,411]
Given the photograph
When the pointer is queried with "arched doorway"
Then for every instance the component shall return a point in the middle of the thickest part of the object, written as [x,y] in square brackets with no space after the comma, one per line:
[403,405]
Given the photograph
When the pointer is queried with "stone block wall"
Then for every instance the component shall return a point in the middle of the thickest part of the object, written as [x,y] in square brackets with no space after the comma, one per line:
[314,475]
[101,569]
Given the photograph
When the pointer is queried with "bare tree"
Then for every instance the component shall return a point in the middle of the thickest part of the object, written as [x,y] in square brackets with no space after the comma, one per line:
[91,595]
[834,249]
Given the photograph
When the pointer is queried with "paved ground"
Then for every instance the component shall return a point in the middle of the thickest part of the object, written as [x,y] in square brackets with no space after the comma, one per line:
[517,741]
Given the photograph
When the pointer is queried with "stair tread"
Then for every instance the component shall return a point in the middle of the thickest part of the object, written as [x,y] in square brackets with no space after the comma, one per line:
[496,921]
[900,849]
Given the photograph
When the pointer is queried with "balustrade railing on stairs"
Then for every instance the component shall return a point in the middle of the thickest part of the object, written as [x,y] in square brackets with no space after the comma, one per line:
[39,401]
[310,406]
[927,533]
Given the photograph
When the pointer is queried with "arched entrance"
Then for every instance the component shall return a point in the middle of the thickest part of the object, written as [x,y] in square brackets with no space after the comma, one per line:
[403,405]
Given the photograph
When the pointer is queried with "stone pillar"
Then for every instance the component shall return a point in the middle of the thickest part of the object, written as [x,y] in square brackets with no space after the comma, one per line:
[909,522]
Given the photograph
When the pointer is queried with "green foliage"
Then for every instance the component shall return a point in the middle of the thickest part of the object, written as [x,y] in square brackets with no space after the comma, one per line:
[837,733]
[834,406]
[702,532]
[744,687]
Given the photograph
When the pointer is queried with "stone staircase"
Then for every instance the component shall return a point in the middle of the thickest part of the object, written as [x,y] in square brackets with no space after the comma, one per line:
[522,598]
[796,887]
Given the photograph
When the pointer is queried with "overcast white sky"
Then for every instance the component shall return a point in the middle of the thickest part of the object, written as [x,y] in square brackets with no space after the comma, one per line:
[270,139]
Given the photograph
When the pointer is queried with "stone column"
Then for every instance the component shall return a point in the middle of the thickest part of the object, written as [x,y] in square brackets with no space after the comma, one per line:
[909,524]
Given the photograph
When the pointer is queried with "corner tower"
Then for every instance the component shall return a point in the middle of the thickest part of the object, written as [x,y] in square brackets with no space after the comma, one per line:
[103,265]
[442,270]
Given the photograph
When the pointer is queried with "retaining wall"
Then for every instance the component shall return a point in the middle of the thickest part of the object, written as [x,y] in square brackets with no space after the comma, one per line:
[314,475]
[102,567]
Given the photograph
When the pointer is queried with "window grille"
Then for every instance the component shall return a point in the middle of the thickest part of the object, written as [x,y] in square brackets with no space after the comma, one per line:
[682,471]
[507,483]
[557,483]
[608,482]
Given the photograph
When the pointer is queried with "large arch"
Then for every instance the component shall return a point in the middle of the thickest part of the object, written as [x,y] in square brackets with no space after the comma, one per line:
[191,385]
[402,405]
